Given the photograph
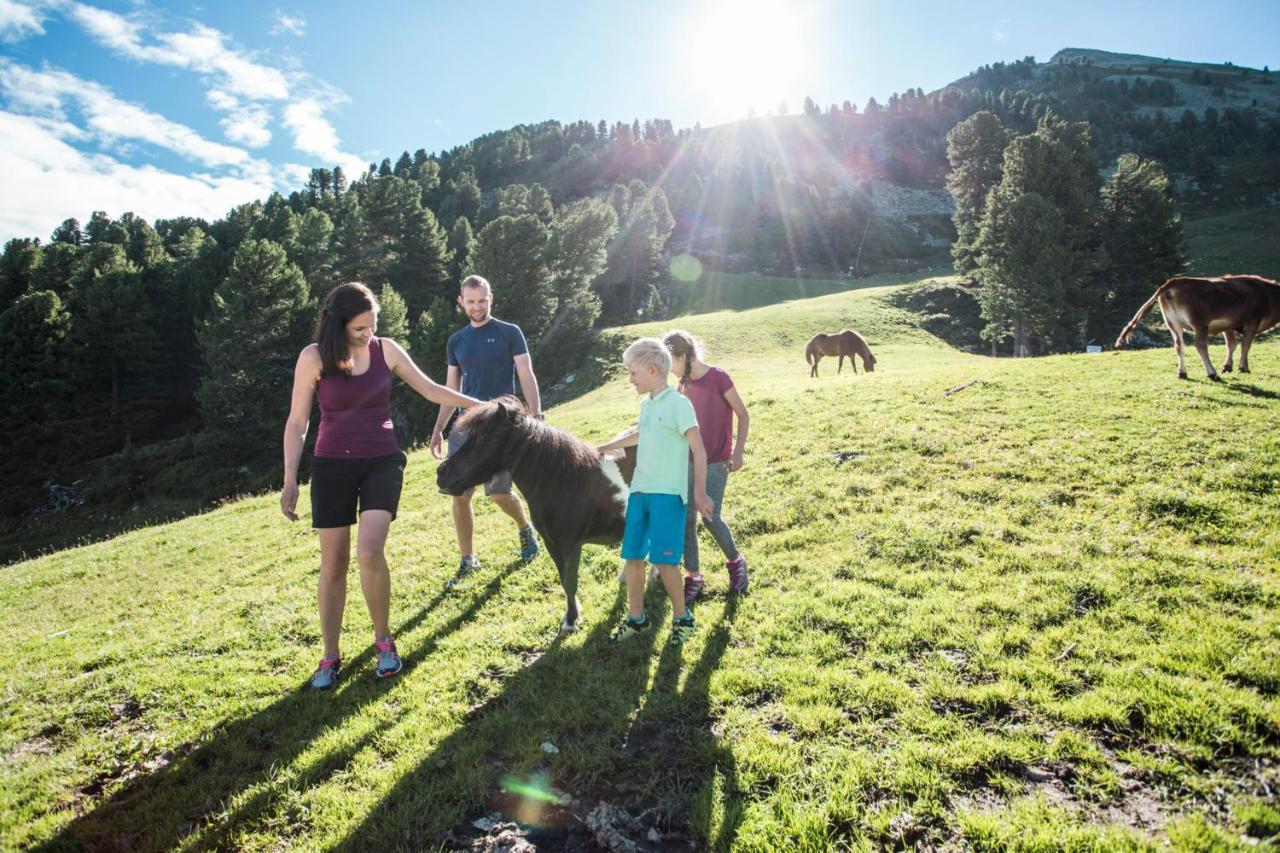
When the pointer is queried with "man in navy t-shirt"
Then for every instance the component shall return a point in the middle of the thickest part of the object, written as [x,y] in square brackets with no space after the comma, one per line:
[485,358]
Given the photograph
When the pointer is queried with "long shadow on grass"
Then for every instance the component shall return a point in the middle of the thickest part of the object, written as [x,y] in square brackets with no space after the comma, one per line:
[674,748]
[579,698]
[1253,390]
[193,793]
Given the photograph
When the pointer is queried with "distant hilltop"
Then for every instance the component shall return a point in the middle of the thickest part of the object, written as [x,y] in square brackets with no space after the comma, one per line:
[1108,59]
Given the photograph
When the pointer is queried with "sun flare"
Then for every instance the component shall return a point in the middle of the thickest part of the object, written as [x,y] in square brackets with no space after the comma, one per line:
[749,54]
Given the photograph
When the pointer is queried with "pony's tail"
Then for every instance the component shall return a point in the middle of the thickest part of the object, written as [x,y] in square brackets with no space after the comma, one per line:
[808,354]
[1127,334]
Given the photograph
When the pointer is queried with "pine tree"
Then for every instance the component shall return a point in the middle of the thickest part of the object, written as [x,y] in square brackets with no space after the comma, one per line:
[511,253]
[36,330]
[20,260]
[462,243]
[975,149]
[577,255]
[250,343]
[1025,269]
[1142,234]
[393,316]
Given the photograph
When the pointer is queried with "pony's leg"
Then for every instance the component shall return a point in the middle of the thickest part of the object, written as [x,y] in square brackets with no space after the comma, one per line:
[1178,345]
[572,558]
[840,363]
[1202,347]
[1231,350]
[817,357]
[1246,340]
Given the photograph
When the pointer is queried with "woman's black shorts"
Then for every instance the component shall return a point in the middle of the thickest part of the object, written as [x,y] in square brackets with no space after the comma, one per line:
[338,486]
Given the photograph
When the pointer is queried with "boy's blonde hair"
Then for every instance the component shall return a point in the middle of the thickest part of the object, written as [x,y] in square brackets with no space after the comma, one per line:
[648,351]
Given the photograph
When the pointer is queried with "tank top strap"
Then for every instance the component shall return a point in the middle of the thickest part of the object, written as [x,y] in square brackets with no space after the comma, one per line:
[376,359]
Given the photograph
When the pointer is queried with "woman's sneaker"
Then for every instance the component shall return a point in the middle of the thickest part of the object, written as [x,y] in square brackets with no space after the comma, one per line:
[389,662]
[681,629]
[692,587]
[737,574]
[629,628]
[326,674]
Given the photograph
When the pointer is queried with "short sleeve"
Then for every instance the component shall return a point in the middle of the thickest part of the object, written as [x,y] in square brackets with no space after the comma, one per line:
[450,351]
[516,341]
[723,381]
[686,419]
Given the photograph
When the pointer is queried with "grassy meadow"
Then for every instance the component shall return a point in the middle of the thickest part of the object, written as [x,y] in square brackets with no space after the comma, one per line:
[1038,613]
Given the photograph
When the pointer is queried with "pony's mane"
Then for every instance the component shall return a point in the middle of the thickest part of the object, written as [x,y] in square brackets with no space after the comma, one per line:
[547,448]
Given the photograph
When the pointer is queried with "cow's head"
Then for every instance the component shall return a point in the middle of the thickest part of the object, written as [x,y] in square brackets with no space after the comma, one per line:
[489,434]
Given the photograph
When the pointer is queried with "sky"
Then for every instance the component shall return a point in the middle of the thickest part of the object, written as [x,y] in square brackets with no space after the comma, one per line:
[190,108]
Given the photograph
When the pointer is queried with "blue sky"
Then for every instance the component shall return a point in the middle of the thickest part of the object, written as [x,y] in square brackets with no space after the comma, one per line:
[194,107]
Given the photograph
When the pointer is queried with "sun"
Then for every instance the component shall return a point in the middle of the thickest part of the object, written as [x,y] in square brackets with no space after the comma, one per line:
[747,54]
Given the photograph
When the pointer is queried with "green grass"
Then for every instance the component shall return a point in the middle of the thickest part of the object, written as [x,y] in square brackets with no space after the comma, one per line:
[1036,614]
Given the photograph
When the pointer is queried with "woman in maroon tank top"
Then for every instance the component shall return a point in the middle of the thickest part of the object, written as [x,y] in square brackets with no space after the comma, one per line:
[358,466]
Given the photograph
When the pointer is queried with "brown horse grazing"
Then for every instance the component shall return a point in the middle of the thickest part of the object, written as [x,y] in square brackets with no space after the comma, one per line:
[1243,305]
[575,495]
[845,343]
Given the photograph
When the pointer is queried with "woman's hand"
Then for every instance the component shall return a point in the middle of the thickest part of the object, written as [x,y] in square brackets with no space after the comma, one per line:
[289,501]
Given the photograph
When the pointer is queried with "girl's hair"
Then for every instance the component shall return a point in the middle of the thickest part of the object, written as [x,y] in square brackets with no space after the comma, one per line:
[682,343]
[648,352]
[339,306]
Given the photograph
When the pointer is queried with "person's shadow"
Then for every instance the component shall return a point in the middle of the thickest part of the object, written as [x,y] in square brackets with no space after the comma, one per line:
[168,807]
[567,700]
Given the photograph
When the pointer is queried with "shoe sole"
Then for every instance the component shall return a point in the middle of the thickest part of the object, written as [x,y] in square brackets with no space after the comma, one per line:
[399,667]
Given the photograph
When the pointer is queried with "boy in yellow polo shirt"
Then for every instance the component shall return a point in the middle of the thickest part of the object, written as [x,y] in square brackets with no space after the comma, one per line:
[667,434]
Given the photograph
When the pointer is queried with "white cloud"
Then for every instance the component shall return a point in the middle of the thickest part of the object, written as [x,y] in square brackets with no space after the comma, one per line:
[51,92]
[20,20]
[44,180]
[203,49]
[292,24]
[248,127]
[313,134]
[1001,32]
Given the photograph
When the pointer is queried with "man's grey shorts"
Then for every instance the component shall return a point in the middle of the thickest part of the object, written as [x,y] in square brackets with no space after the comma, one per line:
[501,482]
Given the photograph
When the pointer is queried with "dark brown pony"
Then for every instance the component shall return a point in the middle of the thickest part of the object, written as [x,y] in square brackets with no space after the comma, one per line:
[841,344]
[575,495]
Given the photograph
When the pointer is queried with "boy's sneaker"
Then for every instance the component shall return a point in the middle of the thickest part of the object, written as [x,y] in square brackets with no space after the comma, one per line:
[389,662]
[681,629]
[692,587]
[467,565]
[737,574]
[629,628]
[326,675]
[528,544]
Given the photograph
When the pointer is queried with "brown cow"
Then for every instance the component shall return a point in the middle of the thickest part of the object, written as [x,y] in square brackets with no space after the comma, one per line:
[1241,305]
[841,344]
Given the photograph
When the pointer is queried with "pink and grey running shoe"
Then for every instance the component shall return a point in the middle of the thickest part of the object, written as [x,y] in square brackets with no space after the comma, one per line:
[737,574]
[326,675]
[693,587]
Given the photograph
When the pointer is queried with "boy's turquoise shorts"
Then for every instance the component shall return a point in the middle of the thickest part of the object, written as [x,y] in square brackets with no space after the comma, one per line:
[655,529]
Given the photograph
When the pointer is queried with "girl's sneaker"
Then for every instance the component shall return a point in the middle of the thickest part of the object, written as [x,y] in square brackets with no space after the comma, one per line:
[681,629]
[389,662]
[528,544]
[326,674]
[692,587]
[737,574]
[629,628]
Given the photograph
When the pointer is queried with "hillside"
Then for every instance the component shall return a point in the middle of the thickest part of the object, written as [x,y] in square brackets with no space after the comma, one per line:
[1038,613]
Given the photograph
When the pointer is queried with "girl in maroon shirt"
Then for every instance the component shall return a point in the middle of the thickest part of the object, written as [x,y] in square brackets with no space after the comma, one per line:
[716,403]
[358,463]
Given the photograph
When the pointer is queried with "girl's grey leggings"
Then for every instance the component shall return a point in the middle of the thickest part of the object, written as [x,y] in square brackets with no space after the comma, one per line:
[717,477]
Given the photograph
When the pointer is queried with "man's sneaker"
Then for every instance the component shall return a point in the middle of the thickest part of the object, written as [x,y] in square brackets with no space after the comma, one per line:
[737,574]
[468,565]
[681,629]
[692,587]
[629,628]
[528,544]
[389,662]
[326,674]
